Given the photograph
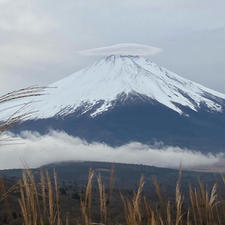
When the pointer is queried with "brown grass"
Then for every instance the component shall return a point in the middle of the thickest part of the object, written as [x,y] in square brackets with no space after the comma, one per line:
[40,204]
[132,208]
[87,200]
[102,200]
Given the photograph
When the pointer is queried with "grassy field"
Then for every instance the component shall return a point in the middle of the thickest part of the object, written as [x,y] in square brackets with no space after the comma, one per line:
[39,199]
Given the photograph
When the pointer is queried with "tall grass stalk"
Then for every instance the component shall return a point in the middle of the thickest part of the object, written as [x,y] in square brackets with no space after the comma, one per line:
[102,200]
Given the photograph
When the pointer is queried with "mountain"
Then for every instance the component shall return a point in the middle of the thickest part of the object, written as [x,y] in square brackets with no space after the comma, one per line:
[120,99]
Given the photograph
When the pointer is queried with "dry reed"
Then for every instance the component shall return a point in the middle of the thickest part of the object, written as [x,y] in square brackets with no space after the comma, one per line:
[40,204]
[19,115]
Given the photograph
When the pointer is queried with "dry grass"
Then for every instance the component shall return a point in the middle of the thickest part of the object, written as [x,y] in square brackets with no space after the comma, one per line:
[40,204]
[18,115]
[102,200]
[87,200]
[132,208]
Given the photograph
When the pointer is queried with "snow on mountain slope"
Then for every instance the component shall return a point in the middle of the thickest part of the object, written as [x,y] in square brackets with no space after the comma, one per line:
[113,75]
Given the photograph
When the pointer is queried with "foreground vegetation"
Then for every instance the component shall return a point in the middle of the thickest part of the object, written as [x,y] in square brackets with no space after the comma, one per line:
[39,202]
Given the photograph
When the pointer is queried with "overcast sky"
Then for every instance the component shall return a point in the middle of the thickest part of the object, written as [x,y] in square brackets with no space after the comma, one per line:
[40,40]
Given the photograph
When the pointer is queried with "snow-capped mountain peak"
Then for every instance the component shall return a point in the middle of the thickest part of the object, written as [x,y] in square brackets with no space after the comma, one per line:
[114,75]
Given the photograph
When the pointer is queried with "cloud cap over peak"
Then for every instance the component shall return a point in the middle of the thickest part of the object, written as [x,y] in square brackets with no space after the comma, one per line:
[123,49]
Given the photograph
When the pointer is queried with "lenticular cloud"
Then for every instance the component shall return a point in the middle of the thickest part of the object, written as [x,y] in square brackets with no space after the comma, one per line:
[123,49]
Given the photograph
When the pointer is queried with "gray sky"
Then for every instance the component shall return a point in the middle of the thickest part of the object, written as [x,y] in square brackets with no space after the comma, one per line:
[39,40]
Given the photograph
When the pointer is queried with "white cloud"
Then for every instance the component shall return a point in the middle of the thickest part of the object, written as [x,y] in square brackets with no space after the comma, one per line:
[123,49]
[34,150]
